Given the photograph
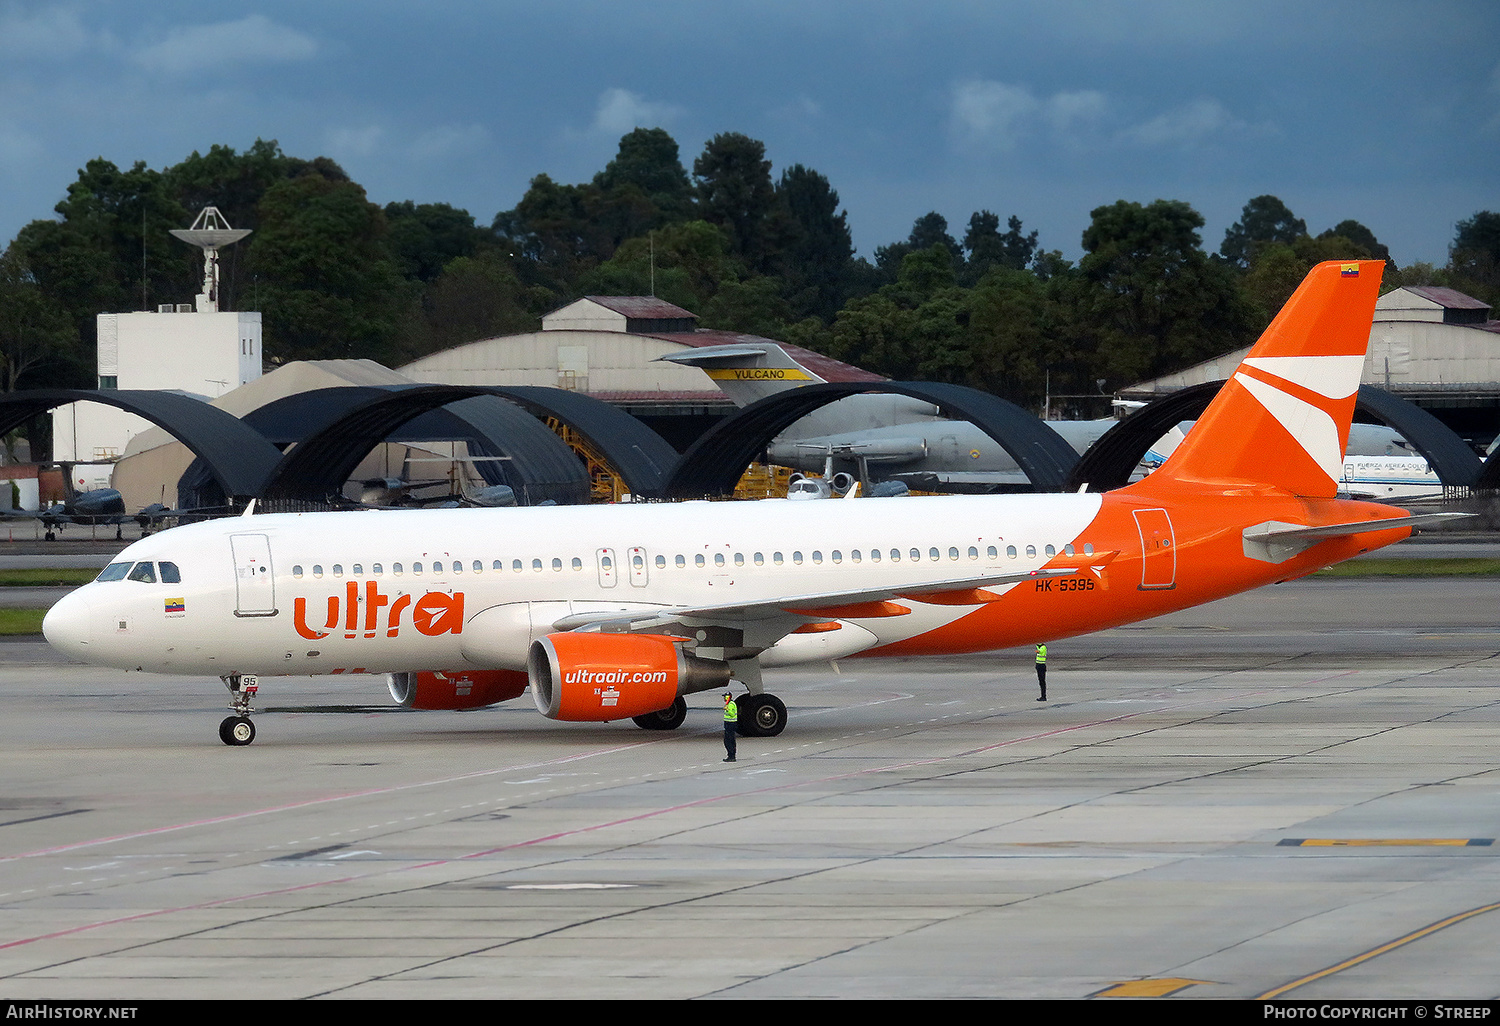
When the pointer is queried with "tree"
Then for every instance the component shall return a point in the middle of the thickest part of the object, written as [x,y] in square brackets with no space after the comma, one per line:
[328,284]
[475,297]
[648,160]
[1474,258]
[988,248]
[821,249]
[38,341]
[735,193]
[1362,237]
[425,237]
[1157,300]
[1264,219]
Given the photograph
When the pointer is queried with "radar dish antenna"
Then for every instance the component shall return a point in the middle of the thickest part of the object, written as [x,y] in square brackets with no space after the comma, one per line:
[210,233]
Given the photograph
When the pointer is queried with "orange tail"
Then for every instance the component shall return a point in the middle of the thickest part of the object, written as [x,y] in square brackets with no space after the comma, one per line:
[1282,420]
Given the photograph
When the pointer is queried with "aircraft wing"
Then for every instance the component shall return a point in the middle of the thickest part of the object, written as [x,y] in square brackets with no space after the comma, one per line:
[764,623]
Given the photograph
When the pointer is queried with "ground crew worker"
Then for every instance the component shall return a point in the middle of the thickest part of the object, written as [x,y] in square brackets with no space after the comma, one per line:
[1041,671]
[731,725]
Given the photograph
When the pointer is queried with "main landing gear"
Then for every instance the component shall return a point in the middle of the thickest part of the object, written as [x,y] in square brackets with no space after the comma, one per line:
[669,718]
[238,730]
[761,716]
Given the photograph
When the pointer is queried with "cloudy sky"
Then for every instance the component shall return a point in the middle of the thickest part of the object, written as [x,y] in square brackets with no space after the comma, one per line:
[1384,111]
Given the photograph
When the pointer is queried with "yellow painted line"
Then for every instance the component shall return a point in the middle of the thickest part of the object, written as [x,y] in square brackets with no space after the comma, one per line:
[1375,952]
[1148,988]
[1385,842]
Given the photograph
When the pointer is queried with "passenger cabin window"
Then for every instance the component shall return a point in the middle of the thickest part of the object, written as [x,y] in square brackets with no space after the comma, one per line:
[318,569]
[1010,551]
[357,570]
[377,569]
[395,569]
[143,572]
[114,572]
[577,563]
[296,570]
[498,564]
[1031,552]
[478,565]
[416,568]
[681,560]
[458,567]
[1050,551]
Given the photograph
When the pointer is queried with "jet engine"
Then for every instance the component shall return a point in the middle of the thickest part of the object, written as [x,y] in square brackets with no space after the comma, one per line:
[455,689]
[615,676]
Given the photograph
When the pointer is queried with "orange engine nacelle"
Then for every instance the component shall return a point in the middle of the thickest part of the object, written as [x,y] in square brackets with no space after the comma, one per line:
[615,676]
[455,689]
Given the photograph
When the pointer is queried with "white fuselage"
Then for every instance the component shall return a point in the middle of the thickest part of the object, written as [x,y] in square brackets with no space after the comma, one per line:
[470,589]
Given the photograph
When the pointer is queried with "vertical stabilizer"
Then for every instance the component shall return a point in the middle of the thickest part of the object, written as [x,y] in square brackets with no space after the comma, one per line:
[1282,419]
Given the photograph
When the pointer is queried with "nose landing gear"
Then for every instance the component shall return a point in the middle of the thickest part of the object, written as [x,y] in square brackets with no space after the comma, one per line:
[238,730]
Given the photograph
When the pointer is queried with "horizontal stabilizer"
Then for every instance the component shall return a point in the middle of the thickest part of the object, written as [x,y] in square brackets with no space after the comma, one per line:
[1277,542]
[708,356]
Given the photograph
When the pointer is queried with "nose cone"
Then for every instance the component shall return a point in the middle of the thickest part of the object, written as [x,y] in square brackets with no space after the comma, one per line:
[67,626]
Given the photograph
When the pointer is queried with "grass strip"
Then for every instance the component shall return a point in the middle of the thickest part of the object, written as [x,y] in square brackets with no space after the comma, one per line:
[43,577]
[21,621]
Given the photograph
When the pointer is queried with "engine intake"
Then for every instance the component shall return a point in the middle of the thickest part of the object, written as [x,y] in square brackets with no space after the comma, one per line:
[455,689]
[615,676]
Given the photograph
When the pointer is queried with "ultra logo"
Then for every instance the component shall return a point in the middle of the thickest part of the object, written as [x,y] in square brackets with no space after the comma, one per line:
[434,613]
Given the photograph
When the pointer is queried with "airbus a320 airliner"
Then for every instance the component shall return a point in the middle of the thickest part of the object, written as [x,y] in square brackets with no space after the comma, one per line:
[609,612]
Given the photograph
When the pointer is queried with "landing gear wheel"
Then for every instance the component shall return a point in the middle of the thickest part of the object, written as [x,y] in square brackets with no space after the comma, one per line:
[669,718]
[237,731]
[767,716]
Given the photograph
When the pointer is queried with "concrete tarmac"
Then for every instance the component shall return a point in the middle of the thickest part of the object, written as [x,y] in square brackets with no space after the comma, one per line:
[1254,797]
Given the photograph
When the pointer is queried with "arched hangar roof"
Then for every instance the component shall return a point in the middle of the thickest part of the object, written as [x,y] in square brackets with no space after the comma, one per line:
[715,462]
[342,427]
[1109,462]
[239,459]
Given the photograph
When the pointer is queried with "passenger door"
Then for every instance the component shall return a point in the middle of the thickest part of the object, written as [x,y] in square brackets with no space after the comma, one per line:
[1158,550]
[254,579]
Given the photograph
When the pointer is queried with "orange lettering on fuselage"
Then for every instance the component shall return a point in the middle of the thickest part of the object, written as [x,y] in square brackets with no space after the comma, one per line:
[434,613]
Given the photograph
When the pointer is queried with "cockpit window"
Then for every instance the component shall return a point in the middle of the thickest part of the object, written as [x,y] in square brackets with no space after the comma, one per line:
[170,574]
[143,572]
[114,572]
